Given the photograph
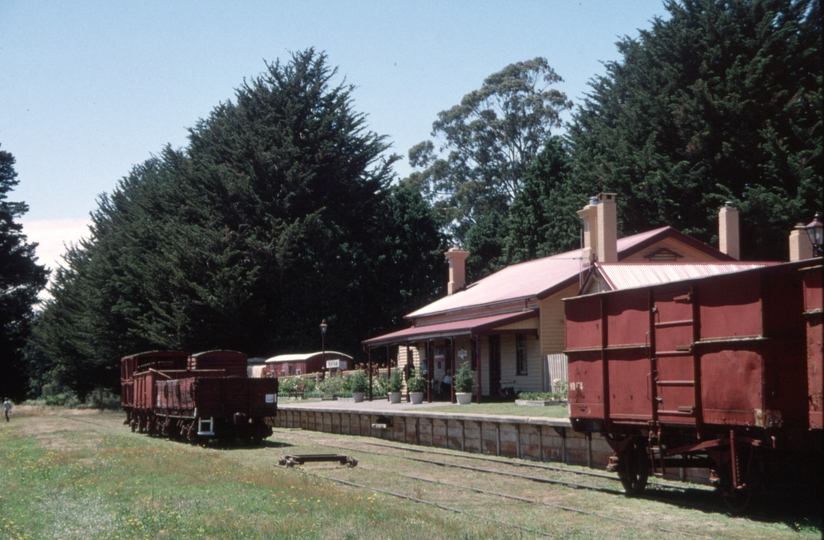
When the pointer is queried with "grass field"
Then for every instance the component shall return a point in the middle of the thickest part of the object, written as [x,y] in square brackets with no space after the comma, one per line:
[82,474]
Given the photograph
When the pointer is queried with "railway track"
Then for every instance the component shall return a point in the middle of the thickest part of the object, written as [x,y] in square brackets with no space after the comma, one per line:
[464,476]
[480,483]
[606,480]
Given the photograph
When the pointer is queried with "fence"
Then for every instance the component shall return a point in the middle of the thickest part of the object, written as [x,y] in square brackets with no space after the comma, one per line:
[556,368]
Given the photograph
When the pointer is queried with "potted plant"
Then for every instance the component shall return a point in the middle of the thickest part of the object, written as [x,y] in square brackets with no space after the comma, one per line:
[416,385]
[394,386]
[463,382]
[359,386]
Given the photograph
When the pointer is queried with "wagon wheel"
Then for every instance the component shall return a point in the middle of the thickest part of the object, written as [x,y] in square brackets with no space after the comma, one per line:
[750,469]
[635,471]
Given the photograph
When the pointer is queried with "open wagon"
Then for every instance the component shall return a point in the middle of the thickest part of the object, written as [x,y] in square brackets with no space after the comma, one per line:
[199,397]
[704,373]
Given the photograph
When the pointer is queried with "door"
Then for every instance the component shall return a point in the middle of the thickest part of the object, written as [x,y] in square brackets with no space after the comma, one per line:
[673,368]
[494,365]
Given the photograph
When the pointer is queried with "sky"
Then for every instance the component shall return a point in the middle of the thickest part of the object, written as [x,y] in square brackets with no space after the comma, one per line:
[89,89]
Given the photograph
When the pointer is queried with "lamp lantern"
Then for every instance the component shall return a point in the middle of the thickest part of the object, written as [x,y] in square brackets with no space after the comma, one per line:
[815,230]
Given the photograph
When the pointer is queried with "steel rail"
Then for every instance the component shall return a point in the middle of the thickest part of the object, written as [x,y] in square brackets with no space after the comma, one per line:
[556,506]
[570,485]
[610,477]
[428,503]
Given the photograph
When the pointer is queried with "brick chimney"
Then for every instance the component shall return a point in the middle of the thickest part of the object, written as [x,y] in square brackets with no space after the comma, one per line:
[607,227]
[600,219]
[800,246]
[457,270]
[589,215]
[728,236]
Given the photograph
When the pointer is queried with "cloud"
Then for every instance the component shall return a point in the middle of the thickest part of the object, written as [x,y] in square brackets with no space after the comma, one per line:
[53,236]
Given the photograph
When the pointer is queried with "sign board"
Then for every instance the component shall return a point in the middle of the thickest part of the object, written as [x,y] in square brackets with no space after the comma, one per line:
[336,364]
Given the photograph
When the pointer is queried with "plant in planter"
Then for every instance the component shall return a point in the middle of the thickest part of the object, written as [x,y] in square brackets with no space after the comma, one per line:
[417,386]
[463,382]
[359,385]
[394,386]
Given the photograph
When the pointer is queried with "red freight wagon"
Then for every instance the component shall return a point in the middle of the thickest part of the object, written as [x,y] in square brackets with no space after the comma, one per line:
[202,396]
[233,363]
[216,407]
[136,363]
[708,373]
[812,312]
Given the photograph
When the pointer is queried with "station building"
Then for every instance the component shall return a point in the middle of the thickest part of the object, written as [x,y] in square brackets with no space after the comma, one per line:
[510,325]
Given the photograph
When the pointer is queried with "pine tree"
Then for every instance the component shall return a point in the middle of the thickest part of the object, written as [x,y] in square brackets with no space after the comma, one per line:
[720,102]
[21,279]
[277,215]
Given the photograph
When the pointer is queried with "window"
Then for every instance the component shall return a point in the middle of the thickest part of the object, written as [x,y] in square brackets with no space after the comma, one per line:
[297,372]
[282,372]
[520,353]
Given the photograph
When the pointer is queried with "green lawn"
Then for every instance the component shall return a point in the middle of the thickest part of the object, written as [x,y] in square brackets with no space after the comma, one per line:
[83,475]
[508,409]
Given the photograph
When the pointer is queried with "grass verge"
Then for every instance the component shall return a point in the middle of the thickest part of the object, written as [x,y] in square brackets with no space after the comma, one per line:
[86,476]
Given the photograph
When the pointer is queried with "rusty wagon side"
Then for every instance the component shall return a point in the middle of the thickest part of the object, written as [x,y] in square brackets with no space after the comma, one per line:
[199,397]
[812,277]
[132,400]
[216,407]
[704,373]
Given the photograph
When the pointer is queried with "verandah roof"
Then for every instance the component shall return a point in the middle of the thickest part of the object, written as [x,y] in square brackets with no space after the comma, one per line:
[464,327]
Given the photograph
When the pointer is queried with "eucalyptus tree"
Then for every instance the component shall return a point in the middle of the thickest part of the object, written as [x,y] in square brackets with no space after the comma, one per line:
[483,147]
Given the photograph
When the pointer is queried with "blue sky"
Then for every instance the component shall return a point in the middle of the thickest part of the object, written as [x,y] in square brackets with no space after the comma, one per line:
[88,89]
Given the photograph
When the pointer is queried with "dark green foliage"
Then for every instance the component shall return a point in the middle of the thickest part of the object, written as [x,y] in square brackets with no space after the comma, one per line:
[277,215]
[488,142]
[21,279]
[542,220]
[464,381]
[720,102]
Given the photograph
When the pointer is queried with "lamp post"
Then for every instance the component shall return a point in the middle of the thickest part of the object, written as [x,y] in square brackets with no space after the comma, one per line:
[815,230]
[323,327]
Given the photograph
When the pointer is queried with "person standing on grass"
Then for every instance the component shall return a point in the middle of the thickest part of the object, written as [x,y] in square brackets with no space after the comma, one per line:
[6,408]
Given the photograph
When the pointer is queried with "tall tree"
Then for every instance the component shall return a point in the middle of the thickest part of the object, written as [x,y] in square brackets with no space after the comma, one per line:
[486,144]
[720,102]
[541,219]
[276,216]
[21,279]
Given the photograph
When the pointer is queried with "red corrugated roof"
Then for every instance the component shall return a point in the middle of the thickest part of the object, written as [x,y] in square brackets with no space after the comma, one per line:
[542,277]
[450,329]
[631,275]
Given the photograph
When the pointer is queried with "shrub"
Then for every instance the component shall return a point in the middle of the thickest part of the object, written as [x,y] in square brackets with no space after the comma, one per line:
[536,396]
[463,380]
[359,383]
[55,394]
[416,382]
[561,389]
[395,382]
[330,386]
[102,398]
[287,385]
